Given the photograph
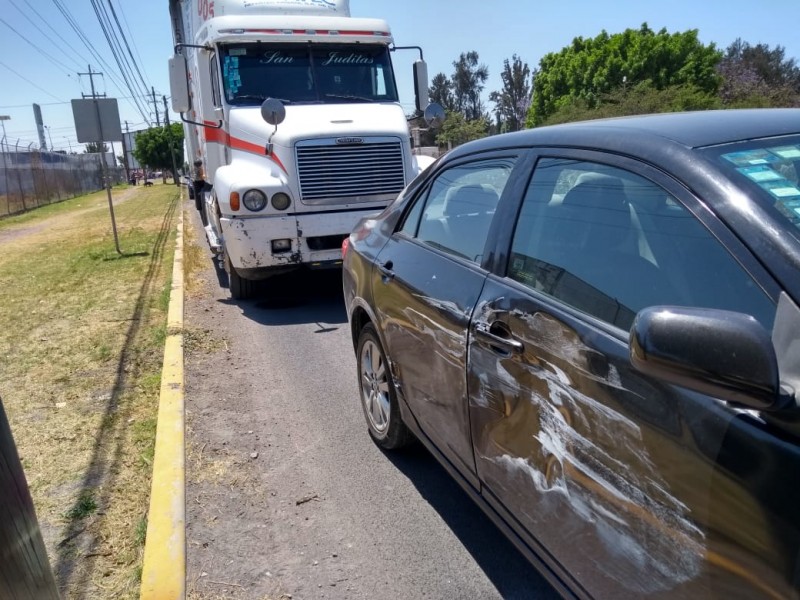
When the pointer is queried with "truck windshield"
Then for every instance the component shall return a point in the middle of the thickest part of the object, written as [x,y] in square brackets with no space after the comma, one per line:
[771,170]
[331,73]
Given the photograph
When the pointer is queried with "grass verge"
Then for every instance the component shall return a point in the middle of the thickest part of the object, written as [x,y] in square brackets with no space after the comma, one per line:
[81,344]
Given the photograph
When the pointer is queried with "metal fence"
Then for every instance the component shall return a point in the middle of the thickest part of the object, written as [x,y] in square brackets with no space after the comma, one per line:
[32,179]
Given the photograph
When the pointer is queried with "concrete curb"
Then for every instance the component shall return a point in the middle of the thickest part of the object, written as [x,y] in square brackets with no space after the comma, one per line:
[164,569]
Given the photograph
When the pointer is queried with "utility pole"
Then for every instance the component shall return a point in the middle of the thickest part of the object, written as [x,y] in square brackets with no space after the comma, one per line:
[155,105]
[171,147]
[104,167]
[125,154]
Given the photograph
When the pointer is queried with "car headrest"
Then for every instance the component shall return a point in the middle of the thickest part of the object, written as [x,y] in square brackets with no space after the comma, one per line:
[470,199]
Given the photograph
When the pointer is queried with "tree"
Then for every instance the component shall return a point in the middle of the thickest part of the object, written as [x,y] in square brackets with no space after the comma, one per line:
[513,101]
[153,147]
[757,76]
[96,147]
[469,79]
[458,130]
[441,92]
[589,68]
[640,99]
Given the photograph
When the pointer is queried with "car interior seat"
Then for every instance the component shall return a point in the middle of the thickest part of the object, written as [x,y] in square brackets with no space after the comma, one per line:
[467,215]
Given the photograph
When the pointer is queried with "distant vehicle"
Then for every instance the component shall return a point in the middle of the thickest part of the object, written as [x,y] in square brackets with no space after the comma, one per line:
[292,107]
[595,328]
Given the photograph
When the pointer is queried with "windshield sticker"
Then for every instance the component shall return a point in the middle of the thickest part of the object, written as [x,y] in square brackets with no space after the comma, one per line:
[760,173]
[238,51]
[230,72]
[751,157]
[787,152]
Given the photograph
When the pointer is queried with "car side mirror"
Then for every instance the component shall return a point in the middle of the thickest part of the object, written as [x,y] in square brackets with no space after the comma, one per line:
[723,354]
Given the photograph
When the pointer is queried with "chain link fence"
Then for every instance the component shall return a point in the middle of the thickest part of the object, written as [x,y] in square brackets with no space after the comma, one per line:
[32,179]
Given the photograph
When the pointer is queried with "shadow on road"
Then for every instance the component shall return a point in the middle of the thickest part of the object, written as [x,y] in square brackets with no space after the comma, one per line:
[509,571]
[296,298]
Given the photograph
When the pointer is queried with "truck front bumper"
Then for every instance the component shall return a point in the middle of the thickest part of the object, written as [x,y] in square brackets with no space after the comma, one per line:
[313,241]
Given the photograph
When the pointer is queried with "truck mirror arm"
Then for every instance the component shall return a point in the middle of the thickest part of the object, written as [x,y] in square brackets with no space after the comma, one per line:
[417,48]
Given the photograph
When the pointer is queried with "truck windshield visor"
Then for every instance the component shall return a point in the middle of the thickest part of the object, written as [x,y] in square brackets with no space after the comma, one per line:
[329,74]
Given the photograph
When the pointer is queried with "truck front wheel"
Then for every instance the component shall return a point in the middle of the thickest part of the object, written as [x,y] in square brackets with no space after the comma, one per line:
[241,289]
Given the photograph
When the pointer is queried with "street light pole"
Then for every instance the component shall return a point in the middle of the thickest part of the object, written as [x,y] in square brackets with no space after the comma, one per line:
[3,119]
[50,137]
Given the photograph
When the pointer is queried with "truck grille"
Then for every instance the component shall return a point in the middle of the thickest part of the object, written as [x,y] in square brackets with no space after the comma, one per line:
[332,173]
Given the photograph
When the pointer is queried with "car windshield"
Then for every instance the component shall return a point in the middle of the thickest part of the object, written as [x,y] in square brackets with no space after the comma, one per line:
[771,169]
[294,74]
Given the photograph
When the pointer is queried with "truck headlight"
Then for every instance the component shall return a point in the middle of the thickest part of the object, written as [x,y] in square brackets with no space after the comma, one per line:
[281,201]
[254,200]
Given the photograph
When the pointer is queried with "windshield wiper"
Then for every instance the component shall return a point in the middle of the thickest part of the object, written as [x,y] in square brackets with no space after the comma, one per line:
[355,98]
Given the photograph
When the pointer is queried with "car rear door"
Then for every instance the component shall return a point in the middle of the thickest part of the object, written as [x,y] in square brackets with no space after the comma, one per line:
[425,285]
[633,487]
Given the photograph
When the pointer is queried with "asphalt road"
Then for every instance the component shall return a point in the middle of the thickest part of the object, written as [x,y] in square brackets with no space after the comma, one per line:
[287,495]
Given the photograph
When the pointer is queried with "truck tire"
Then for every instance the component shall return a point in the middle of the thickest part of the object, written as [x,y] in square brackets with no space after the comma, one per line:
[241,289]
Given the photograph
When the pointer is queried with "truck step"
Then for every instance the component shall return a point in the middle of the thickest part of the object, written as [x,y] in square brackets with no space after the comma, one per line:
[214,242]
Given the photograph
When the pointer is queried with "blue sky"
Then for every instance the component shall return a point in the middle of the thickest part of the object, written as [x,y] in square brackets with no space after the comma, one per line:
[41,55]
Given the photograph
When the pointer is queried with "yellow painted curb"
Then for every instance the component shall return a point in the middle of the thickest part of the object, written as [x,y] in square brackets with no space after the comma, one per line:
[164,569]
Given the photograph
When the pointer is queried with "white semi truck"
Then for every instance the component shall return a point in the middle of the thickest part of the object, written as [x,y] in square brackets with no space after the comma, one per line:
[292,107]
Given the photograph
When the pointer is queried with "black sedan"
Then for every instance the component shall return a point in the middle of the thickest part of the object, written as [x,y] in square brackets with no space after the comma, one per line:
[595,328]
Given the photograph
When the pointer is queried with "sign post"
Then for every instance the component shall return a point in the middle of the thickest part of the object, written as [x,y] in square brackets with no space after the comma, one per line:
[97,120]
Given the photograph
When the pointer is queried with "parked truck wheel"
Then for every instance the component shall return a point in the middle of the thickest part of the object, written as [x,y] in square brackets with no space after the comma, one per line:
[241,289]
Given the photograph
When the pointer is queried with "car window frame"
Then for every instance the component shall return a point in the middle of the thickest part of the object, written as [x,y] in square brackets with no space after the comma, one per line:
[519,173]
[497,260]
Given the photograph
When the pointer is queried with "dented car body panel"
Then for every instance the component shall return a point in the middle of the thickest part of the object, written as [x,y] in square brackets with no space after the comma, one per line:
[513,365]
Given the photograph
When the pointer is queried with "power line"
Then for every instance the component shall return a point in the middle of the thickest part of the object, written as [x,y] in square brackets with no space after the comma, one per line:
[125,40]
[54,30]
[37,48]
[130,33]
[40,30]
[32,83]
[87,42]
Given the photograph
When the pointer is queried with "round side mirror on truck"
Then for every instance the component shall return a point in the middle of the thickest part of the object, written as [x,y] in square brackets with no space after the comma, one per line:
[273,111]
[434,115]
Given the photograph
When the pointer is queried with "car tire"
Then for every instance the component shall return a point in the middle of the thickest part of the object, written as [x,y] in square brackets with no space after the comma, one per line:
[240,288]
[378,396]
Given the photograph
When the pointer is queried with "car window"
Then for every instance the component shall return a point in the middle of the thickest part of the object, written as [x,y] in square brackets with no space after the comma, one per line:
[455,212]
[609,243]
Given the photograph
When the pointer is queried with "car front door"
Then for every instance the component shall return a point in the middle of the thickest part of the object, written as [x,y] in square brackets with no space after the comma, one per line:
[425,286]
[633,487]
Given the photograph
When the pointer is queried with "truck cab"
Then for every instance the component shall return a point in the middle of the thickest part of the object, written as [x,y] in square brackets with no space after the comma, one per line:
[294,110]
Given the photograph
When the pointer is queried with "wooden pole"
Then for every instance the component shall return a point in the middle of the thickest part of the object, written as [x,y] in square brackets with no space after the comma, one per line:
[25,572]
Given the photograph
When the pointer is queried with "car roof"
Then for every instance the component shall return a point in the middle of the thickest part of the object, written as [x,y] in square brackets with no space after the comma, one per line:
[688,130]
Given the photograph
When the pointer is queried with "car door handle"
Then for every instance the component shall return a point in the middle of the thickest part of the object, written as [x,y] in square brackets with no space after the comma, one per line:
[491,335]
[386,269]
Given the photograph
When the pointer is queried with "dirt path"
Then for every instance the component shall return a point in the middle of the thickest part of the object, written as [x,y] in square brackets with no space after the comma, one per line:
[15,233]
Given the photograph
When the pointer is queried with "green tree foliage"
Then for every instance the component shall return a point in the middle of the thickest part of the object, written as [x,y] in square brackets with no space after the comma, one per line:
[589,68]
[514,100]
[458,130]
[96,147]
[153,147]
[441,92]
[640,99]
[469,79]
[757,76]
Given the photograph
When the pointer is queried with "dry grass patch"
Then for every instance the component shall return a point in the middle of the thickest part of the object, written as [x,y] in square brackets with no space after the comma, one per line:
[81,345]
